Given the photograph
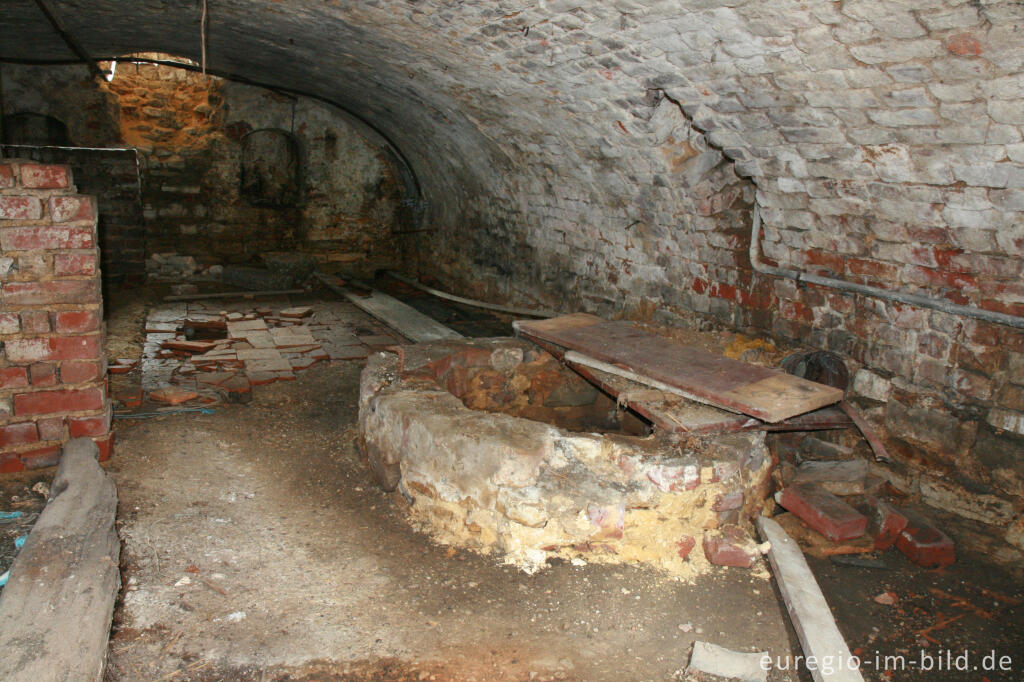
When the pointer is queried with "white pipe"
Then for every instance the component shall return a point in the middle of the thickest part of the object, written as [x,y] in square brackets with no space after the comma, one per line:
[939,304]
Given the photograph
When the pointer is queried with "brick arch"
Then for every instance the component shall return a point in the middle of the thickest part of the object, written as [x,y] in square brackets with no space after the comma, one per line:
[31,128]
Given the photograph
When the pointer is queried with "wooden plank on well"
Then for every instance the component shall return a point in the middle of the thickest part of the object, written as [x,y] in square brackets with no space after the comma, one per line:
[767,394]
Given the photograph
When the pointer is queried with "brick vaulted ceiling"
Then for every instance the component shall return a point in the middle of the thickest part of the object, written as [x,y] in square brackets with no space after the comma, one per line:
[606,155]
[553,124]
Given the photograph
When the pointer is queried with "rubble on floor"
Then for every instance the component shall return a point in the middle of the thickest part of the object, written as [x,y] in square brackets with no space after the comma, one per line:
[218,350]
[280,271]
[171,266]
[835,506]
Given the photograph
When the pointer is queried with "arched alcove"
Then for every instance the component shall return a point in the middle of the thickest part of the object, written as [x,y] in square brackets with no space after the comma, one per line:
[30,128]
[270,168]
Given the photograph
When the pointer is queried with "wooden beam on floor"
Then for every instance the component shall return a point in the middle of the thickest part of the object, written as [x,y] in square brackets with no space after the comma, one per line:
[55,611]
[812,619]
[404,319]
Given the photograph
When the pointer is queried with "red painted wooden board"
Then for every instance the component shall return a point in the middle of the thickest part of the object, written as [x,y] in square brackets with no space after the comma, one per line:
[768,394]
[680,415]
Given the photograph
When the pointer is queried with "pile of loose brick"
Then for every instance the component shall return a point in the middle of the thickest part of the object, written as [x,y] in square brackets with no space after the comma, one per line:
[52,371]
[238,345]
[835,506]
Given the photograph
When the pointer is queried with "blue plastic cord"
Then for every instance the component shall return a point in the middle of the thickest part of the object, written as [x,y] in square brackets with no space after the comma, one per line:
[150,415]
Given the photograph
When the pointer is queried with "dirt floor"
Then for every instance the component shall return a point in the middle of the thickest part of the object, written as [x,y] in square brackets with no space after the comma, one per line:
[257,547]
[256,542]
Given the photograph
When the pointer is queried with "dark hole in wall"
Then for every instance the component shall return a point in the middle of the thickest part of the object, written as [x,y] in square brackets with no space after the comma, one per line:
[31,128]
[270,168]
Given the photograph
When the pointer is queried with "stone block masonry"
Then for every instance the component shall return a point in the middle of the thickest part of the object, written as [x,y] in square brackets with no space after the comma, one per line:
[52,367]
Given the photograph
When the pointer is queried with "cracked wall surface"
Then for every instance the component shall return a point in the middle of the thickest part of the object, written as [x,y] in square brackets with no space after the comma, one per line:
[605,156]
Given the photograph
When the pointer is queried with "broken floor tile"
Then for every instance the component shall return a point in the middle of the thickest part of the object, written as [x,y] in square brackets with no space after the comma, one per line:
[294,330]
[299,364]
[259,354]
[262,339]
[261,378]
[172,396]
[239,330]
[277,364]
[162,327]
[168,313]
[189,346]
[887,524]
[121,367]
[299,311]
[289,342]
[303,348]
[215,378]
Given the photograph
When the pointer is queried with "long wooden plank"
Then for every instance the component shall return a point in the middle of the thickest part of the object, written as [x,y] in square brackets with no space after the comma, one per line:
[767,394]
[675,414]
[404,319]
[679,415]
[812,619]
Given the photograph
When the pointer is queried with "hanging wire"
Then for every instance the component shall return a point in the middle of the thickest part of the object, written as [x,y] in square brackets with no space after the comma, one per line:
[202,36]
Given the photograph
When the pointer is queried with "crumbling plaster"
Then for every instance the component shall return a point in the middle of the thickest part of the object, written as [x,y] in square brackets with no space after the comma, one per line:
[605,156]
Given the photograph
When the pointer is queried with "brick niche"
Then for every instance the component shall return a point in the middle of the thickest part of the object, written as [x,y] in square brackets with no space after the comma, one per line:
[52,367]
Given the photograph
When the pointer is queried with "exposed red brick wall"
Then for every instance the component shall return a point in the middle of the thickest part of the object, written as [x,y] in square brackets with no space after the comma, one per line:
[52,368]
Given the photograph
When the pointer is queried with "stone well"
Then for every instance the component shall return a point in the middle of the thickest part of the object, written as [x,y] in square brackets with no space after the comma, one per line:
[499,448]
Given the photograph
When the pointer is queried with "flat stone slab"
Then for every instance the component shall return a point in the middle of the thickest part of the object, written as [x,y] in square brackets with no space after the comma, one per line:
[839,478]
[241,330]
[728,664]
[278,364]
[259,354]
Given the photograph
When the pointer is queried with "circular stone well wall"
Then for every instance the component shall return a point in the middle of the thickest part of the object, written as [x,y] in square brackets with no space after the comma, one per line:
[499,448]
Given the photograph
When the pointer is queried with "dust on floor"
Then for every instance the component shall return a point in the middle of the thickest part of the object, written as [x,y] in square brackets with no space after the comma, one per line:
[255,540]
[257,547]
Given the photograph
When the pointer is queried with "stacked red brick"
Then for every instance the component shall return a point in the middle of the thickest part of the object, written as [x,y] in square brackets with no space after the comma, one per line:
[52,367]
